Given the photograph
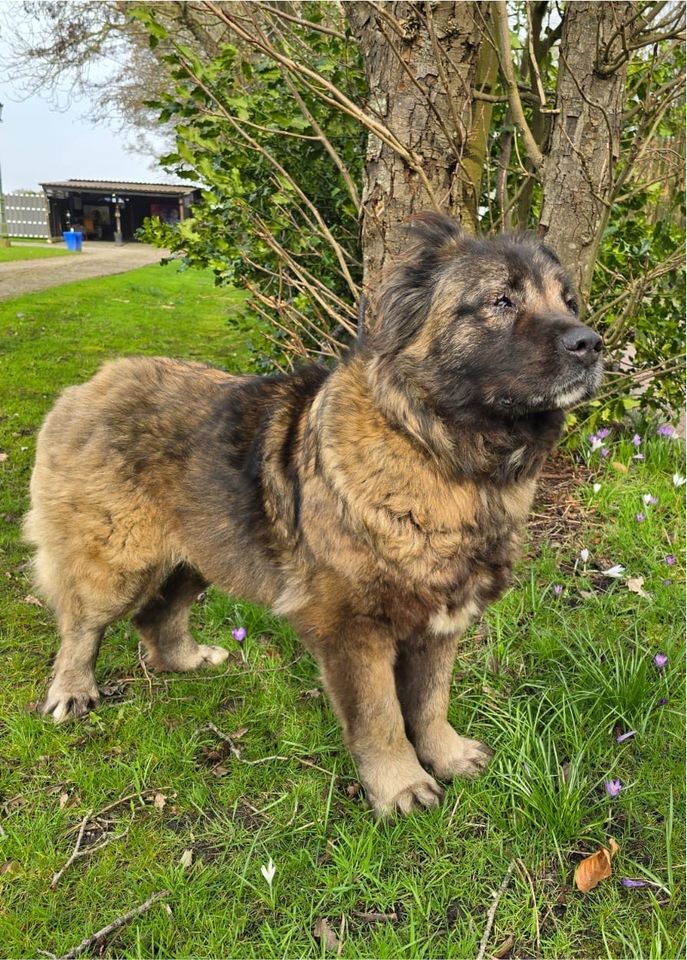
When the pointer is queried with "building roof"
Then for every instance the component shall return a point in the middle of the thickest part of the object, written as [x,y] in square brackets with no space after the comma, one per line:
[119,186]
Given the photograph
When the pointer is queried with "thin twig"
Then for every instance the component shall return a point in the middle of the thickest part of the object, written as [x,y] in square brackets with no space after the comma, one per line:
[144,668]
[227,739]
[492,912]
[75,852]
[111,806]
[112,927]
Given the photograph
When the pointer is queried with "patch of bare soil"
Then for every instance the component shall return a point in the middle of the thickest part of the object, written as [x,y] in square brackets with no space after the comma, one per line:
[558,515]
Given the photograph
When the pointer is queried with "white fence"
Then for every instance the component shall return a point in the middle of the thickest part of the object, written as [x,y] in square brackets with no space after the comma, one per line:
[27,215]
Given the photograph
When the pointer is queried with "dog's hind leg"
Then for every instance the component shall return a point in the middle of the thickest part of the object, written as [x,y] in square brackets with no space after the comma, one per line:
[424,668]
[164,627]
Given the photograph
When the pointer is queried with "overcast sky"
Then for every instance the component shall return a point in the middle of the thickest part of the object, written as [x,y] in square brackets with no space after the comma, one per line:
[39,143]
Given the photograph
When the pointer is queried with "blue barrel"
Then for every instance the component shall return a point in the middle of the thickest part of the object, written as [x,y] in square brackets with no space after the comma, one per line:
[73,239]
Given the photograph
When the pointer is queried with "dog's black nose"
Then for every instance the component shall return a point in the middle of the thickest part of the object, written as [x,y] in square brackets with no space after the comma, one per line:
[582,343]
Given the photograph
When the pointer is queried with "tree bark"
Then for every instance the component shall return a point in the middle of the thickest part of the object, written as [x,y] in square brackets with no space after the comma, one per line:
[580,163]
[420,61]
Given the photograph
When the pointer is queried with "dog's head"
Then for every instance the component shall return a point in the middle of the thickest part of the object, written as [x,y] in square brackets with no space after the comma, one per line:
[487,324]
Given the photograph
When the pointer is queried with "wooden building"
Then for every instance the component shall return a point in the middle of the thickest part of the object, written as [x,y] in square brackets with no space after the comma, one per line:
[95,206]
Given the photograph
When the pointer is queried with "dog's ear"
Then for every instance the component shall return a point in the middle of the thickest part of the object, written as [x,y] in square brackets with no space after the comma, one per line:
[405,295]
[435,234]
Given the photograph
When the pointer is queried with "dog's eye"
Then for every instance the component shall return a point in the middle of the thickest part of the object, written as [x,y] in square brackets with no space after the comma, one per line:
[572,306]
[504,303]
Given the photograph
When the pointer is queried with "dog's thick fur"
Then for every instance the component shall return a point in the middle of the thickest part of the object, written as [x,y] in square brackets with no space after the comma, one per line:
[377,506]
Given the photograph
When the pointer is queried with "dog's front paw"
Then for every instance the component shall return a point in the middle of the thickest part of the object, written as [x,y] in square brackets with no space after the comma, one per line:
[425,794]
[67,700]
[450,755]
[399,786]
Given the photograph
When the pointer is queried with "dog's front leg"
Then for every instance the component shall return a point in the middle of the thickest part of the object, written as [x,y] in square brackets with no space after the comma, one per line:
[358,672]
[423,678]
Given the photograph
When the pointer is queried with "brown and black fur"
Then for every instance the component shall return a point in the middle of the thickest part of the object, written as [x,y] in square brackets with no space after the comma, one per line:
[377,505]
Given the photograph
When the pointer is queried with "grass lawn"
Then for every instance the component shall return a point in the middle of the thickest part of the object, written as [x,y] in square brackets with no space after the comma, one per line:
[16,252]
[550,679]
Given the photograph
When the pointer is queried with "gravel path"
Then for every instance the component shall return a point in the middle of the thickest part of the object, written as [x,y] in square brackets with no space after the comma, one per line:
[98,259]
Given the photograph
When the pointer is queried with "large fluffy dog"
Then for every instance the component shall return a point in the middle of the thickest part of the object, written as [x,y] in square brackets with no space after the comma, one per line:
[376,505]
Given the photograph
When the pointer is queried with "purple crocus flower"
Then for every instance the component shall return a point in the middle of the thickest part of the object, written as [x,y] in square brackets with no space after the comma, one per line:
[640,518]
[603,433]
[670,559]
[628,882]
[558,589]
[604,451]
[613,787]
[239,634]
[649,499]
[660,660]
[662,702]
[666,430]
[625,736]
[636,440]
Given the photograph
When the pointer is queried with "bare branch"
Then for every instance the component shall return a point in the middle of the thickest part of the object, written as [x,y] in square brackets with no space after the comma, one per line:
[503,38]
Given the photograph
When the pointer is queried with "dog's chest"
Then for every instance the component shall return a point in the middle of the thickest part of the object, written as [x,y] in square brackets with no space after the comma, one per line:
[454,575]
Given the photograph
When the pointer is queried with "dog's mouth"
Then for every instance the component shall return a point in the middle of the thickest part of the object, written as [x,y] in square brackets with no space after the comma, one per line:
[561,396]
[581,389]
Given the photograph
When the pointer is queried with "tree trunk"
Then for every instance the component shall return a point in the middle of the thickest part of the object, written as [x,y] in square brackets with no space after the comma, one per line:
[585,142]
[420,62]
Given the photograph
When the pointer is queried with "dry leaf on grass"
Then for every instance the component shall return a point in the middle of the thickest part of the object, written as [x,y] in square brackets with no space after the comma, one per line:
[596,867]
[620,467]
[636,585]
[505,947]
[159,801]
[324,933]
[237,734]
[34,601]
[186,859]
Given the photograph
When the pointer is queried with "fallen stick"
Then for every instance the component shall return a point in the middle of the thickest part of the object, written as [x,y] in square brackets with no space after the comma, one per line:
[111,927]
[373,916]
[492,912]
[117,803]
[75,852]
[144,668]
[85,853]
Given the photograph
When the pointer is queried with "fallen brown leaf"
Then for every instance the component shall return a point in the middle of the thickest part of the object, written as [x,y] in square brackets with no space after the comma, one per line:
[237,734]
[324,933]
[636,585]
[186,859]
[353,790]
[29,598]
[10,867]
[620,467]
[596,867]
[159,801]
[505,947]
[219,771]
